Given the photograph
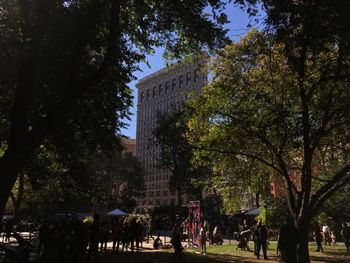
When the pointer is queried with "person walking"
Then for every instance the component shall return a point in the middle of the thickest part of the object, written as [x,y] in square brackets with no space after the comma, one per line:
[345,233]
[318,237]
[260,235]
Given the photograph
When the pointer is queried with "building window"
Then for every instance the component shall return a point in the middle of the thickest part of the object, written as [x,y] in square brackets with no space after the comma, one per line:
[160,89]
[157,202]
[188,78]
[181,81]
[173,84]
[142,96]
[167,86]
[196,75]
[154,92]
[148,94]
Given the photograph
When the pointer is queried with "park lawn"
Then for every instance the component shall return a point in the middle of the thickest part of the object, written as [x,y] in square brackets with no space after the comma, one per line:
[221,254]
[334,253]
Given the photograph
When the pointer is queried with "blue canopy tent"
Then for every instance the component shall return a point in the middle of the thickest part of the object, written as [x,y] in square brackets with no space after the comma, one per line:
[117,212]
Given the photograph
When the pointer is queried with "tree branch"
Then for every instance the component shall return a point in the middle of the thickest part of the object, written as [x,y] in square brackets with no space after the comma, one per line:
[328,187]
[240,154]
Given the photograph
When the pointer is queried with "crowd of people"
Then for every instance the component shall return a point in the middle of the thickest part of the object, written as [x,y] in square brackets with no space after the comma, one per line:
[78,241]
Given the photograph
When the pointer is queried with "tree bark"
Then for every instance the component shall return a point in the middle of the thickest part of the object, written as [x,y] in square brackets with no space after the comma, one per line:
[303,244]
[179,200]
[17,202]
[10,168]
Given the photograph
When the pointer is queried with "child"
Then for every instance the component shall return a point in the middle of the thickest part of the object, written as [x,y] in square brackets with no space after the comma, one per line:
[158,244]
[333,238]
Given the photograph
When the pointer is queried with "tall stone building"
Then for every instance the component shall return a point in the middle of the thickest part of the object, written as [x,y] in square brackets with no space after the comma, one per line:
[160,92]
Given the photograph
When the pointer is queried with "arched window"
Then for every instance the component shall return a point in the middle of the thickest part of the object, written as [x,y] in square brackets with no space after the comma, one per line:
[167,87]
[142,96]
[188,78]
[196,75]
[160,89]
[173,84]
[148,94]
[154,92]
[181,81]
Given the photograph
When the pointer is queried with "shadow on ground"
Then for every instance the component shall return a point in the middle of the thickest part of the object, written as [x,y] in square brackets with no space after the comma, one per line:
[162,256]
[166,256]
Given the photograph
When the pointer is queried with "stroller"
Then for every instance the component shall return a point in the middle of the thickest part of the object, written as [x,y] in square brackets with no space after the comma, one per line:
[19,254]
[242,239]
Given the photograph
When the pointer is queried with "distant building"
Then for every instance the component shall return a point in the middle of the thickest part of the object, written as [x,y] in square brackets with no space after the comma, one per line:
[278,185]
[161,92]
[129,145]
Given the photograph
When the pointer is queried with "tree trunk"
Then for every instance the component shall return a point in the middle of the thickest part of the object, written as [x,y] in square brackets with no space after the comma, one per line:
[9,171]
[17,202]
[303,245]
[179,200]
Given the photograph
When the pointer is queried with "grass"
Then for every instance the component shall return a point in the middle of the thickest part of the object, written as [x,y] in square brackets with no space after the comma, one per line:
[334,253]
[222,254]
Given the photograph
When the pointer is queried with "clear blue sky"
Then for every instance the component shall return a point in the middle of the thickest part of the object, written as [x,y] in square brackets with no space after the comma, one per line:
[237,28]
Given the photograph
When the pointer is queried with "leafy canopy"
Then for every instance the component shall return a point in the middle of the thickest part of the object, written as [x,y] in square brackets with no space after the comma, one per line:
[257,108]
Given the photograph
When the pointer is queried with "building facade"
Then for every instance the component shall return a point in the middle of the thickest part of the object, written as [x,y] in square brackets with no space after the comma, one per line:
[129,146]
[162,92]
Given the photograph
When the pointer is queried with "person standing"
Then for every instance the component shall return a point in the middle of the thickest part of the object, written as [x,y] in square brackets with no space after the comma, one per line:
[117,231]
[149,229]
[260,236]
[203,239]
[176,242]
[318,237]
[245,234]
[104,235]
[345,232]
[43,235]
[326,230]
[94,236]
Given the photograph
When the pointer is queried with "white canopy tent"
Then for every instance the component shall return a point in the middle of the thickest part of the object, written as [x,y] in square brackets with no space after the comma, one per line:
[117,212]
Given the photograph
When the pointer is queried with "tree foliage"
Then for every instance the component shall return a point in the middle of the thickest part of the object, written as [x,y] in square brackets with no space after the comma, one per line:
[127,181]
[67,64]
[176,154]
[259,107]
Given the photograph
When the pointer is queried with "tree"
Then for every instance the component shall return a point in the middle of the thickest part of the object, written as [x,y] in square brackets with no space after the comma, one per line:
[260,107]
[276,211]
[175,151]
[127,178]
[55,53]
